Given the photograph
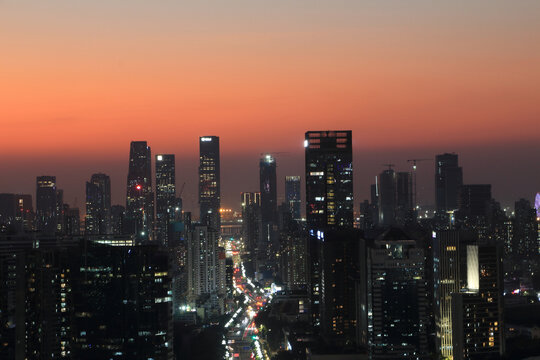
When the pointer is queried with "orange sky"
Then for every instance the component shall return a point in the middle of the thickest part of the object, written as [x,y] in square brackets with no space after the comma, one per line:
[85,78]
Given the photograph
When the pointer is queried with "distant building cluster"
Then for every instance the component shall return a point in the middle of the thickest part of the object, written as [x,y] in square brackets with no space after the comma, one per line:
[384,282]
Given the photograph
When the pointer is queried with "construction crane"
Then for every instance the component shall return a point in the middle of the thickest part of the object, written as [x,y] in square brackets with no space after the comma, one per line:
[414,161]
[181,190]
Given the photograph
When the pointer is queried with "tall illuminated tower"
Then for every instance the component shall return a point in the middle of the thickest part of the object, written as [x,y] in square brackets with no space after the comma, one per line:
[329,196]
[268,189]
[139,200]
[165,196]
[209,182]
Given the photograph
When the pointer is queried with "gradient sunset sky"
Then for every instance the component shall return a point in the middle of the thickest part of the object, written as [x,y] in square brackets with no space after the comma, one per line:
[80,79]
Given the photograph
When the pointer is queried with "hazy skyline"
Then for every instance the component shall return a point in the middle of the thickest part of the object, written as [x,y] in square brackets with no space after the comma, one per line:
[80,80]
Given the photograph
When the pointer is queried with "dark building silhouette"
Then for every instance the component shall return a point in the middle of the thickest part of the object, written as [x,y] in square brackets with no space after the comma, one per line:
[98,205]
[165,197]
[339,266]
[252,228]
[292,196]
[474,200]
[46,204]
[139,218]
[394,293]
[118,213]
[329,197]
[16,212]
[72,221]
[524,242]
[404,198]
[387,198]
[448,181]
[209,182]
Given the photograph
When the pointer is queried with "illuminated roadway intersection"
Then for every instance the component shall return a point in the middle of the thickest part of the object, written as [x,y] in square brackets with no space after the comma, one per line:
[241,340]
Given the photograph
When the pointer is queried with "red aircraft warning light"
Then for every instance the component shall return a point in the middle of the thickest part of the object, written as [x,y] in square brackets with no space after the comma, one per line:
[138,187]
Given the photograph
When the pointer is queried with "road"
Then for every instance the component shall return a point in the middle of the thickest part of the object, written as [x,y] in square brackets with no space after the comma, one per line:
[241,339]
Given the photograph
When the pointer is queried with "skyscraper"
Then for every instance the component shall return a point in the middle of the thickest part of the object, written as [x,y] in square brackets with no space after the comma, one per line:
[397,298]
[209,181]
[98,205]
[165,196]
[477,310]
[329,179]
[139,201]
[329,197]
[292,195]
[404,198]
[46,204]
[251,225]
[268,189]
[450,277]
[387,198]
[448,181]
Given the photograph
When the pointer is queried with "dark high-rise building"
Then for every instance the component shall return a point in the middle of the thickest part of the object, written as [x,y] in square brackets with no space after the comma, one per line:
[329,197]
[524,242]
[98,205]
[46,204]
[165,196]
[140,199]
[292,195]
[268,189]
[387,198]
[404,198]
[448,181]
[474,201]
[329,179]
[209,181]
[118,213]
[122,302]
[72,221]
[60,211]
[397,305]
[251,224]
[339,264]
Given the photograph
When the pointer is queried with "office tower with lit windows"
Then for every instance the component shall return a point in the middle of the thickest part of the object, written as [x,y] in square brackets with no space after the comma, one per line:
[448,181]
[292,196]
[329,196]
[209,181]
[268,189]
[477,310]
[46,204]
[202,257]
[450,277]
[397,306]
[339,265]
[165,197]
[387,198]
[98,205]
[140,198]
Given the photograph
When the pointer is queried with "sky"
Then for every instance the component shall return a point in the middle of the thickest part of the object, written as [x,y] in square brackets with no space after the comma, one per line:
[80,79]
